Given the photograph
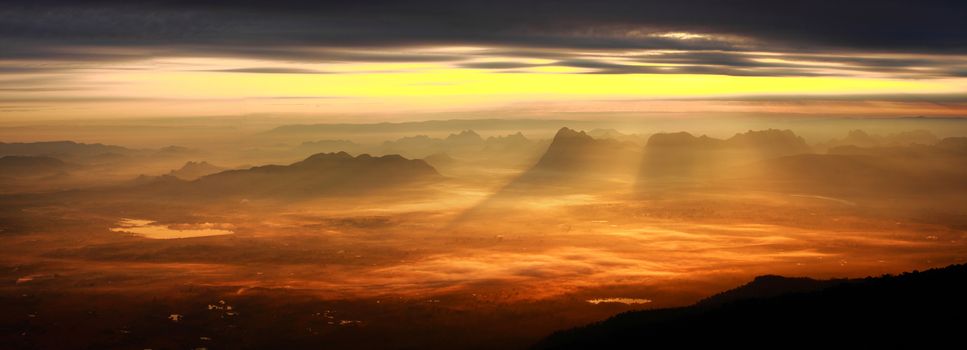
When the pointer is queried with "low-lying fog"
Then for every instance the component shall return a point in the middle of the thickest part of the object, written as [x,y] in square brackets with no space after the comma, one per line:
[466,238]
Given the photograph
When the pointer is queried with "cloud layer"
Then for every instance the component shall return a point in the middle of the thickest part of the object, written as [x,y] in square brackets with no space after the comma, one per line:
[56,50]
[692,36]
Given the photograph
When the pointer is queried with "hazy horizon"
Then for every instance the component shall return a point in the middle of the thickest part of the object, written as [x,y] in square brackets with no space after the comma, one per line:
[478,175]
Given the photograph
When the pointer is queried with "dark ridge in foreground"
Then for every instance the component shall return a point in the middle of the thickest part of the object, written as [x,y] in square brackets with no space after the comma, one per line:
[908,311]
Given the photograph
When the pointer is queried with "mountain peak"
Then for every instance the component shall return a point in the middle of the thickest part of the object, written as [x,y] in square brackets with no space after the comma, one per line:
[518,136]
[676,139]
[768,286]
[573,150]
[329,156]
[858,134]
[193,170]
[466,135]
[322,174]
[568,133]
[568,140]
[775,141]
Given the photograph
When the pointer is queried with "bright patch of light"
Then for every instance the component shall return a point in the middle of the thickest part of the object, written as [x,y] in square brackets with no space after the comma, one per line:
[681,35]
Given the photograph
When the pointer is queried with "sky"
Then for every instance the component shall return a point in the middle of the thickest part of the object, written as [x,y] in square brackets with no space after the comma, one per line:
[396,60]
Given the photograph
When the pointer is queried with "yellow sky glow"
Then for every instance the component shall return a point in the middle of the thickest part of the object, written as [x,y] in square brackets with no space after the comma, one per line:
[193,86]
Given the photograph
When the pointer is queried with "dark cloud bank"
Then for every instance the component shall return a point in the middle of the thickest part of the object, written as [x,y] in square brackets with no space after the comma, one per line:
[328,31]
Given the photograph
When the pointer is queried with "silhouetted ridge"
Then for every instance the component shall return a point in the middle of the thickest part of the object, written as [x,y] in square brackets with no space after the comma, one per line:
[59,149]
[860,138]
[322,146]
[509,144]
[566,146]
[466,136]
[913,310]
[325,157]
[679,155]
[769,286]
[616,135]
[771,141]
[566,134]
[913,169]
[515,137]
[681,140]
[954,144]
[683,156]
[193,170]
[466,144]
[318,175]
[30,166]
[571,150]
[340,161]
[576,162]
[439,159]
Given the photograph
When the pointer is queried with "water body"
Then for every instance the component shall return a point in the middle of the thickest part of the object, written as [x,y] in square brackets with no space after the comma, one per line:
[628,301]
[152,230]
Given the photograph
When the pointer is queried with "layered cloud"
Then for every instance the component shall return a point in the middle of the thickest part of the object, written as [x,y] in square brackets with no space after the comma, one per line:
[54,46]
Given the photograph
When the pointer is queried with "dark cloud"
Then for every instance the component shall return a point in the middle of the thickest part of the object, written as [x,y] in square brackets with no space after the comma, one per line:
[859,24]
[714,70]
[738,64]
[498,65]
[271,70]
[843,32]
[940,99]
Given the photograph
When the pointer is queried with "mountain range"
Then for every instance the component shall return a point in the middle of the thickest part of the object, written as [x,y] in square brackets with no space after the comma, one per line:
[683,155]
[31,166]
[861,138]
[193,170]
[915,310]
[322,174]
[575,162]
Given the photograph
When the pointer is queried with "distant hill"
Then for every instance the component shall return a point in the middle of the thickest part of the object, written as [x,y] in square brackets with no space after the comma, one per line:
[31,166]
[438,160]
[948,147]
[466,141]
[683,140]
[779,161]
[917,310]
[576,151]
[175,152]
[617,136]
[771,142]
[61,149]
[913,169]
[96,153]
[861,138]
[318,175]
[468,145]
[683,155]
[955,145]
[576,162]
[329,146]
[429,126]
[768,286]
[465,137]
[415,146]
[194,170]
